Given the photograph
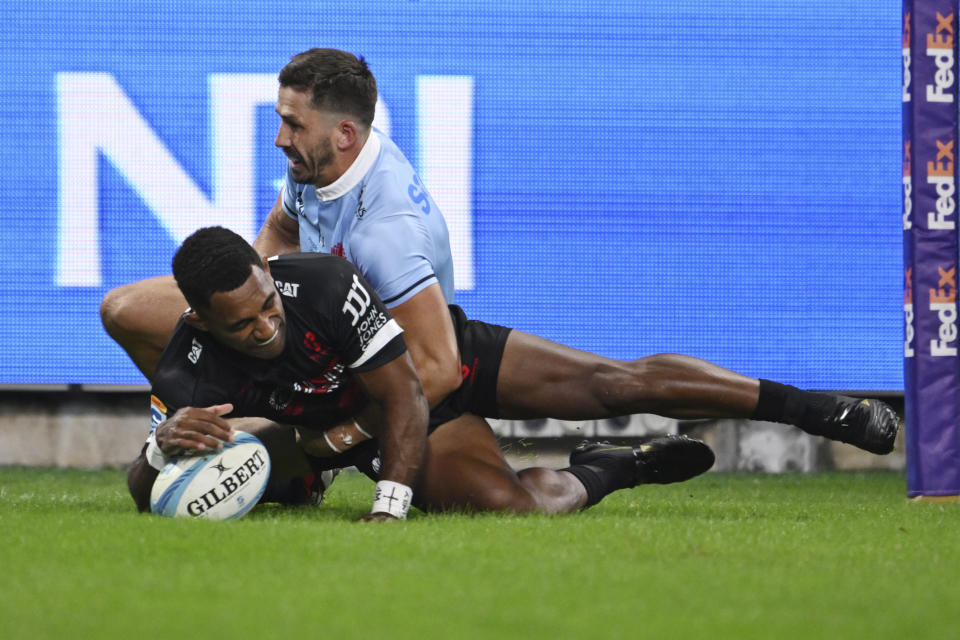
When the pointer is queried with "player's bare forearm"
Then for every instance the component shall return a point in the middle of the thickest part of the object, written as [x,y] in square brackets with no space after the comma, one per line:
[396,389]
[403,444]
[140,479]
[280,233]
[432,342]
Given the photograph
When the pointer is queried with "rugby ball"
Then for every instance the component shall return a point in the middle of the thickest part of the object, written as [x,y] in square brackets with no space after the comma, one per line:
[220,485]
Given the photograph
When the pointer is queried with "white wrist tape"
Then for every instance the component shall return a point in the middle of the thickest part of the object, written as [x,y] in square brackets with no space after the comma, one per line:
[393,498]
[156,458]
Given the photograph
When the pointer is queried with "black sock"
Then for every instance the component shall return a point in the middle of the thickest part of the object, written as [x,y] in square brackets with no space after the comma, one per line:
[598,481]
[784,403]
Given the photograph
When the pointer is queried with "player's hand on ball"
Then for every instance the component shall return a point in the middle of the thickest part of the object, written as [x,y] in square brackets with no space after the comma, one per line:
[378,517]
[196,429]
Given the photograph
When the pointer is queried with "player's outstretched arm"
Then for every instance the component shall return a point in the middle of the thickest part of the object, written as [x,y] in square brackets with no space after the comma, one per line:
[189,429]
[429,334]
[280,233]
[396,389]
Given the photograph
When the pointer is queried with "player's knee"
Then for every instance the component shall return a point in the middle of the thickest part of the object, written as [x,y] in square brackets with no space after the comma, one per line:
[476,497]
[616,385]
[507,497]
[627,385]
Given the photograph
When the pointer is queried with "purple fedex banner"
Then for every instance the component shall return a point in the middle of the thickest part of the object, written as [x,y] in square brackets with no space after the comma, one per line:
[930,145]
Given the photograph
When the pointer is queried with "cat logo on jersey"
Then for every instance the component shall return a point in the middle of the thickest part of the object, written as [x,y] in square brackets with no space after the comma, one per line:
[287,289]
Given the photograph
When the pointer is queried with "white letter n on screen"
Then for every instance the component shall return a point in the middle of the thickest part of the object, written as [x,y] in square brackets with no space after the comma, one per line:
[96,116]
[445,137]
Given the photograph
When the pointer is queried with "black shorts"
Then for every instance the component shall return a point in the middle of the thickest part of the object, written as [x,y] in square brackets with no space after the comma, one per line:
[481,350]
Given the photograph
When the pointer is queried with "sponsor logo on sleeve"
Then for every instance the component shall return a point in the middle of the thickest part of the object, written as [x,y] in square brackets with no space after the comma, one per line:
[357,302]
[364,316]
[195,350]
[940,48]
[943,300]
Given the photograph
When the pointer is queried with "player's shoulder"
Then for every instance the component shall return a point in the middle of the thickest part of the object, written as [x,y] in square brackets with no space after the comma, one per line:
[305,266]
[307,277]
[388,184]
[181,363]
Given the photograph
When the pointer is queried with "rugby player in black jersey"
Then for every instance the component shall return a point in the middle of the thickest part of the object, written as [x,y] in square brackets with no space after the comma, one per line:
[330,351]
[302,341]
[464,367]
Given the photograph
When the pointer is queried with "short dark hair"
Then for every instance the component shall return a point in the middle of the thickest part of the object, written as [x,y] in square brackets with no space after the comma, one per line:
[338,81]
[212,259]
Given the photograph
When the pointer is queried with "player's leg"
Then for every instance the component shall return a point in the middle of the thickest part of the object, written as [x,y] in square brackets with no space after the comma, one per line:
[540,378]
[464,469]
[141,317]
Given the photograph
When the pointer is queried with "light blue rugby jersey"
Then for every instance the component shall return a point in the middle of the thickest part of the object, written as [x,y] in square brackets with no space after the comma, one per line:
[379,216]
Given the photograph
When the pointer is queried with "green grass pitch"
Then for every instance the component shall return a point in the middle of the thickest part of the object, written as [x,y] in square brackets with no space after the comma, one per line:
[834,555]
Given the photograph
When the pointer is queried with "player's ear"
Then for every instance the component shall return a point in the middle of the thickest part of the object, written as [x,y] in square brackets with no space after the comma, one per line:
[191,318]
[347,134]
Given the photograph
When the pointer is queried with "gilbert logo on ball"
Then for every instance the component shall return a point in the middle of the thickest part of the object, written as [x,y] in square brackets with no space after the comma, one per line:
[220,485]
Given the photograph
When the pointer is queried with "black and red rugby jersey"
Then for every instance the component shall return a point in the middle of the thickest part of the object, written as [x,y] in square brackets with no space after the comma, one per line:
[335,325]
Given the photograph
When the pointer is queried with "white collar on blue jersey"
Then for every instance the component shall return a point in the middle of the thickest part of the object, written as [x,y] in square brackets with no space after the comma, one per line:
[355,172]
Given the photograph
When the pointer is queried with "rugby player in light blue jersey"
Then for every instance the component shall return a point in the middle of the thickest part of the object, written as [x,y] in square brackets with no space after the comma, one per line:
[349,191]
[379,216]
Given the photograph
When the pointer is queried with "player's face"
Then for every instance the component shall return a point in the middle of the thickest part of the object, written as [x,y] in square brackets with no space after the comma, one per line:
[250,318]
[306,137]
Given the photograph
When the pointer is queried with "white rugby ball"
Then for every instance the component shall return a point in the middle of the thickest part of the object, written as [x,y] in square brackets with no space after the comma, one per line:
[220,485]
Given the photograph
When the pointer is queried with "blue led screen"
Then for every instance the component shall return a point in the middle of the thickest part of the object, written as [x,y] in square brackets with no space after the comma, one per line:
[710,178]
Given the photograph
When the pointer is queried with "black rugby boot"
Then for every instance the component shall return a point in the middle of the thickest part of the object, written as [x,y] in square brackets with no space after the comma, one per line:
[662,460]
[871,425]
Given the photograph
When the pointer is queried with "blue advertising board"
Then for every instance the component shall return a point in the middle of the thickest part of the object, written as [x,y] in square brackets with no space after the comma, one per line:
[710,178]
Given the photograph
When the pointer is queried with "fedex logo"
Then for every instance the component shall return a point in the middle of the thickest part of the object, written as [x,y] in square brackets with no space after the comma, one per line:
[905,52]
[940,48]
[907,187]
[97,119]
[908,315]
[943,300]
[940,174]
